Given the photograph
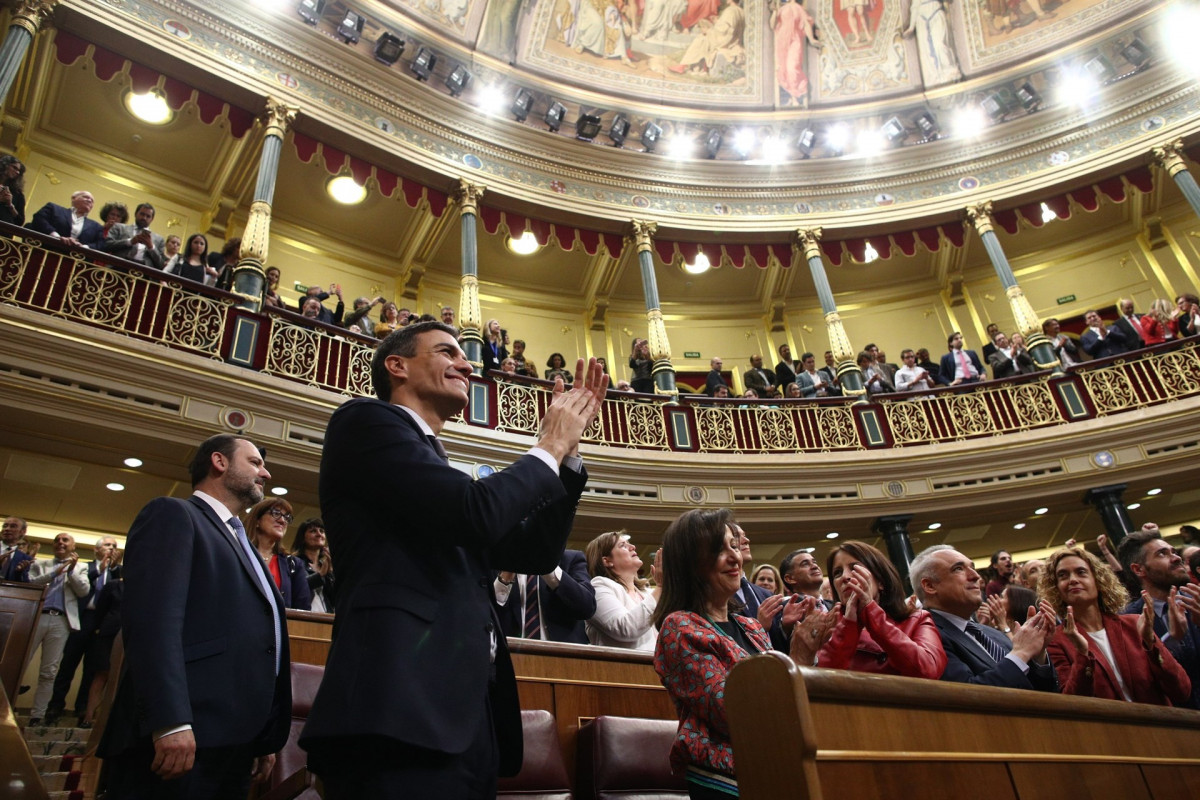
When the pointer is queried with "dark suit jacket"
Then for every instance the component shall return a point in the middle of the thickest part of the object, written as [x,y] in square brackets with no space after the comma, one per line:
[563,609]
[713,380]
[416,544]
[785,374]
[120,244]
[52,218]
[493,361]
[199,637]
[967,663]
[1186,652]
[756,381]
[1111,345]
[1003,367]
[293,584]
[1132,333]
[949,363]
[10,571]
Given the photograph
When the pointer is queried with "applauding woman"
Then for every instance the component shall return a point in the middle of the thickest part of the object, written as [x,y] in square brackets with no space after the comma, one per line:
[624,603]
[877,631]
[1099,652]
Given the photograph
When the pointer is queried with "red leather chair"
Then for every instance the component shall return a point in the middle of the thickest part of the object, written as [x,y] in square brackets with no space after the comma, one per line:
[291,779]
[543,774]
[627,757]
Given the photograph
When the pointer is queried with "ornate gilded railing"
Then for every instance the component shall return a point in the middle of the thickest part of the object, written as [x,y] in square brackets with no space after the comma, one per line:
[93,289]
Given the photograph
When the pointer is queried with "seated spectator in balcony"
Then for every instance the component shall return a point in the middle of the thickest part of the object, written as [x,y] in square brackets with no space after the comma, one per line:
[558,368]
[328,317]
[509,366]
[758,378]
[1163,580]
[310,308]
[1157,324]
[1187,315]
[1130,324]
[641,366]
[224,263]
[12,190]
[948,586]
[793,391]
[714,377]
[877,632]
[389,320]
[1008,359]
[810,381]
[191,263]
[911,377]
[1063,346]
[551,607]
[623,386]
[831,374]
[71,225]
[312,548]
[136,242]
[360,316]
[266,523]
[1097,651]
[750,394]
[518,355]
[767,577]
[786,369]
[624,603]
[494,350]
[959,366]
[721,391]
[1100,340]
[271,298]
[117,214]
[925,363]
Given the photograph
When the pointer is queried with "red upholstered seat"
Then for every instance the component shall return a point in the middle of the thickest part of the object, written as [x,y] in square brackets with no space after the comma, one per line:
[290,778]
[626,757]
[543,774]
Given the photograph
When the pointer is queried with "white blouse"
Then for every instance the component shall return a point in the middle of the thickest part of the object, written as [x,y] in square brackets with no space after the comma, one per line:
[622,620]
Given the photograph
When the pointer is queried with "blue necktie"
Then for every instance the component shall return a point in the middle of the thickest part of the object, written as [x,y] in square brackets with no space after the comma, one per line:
[260,571]
[992,647]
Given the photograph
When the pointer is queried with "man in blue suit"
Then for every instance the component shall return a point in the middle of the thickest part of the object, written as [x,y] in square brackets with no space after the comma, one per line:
[562,600]
[71,225]
[959,366]
[205,698]
[1100,340]
[947,585]
[419,698]
[14,564]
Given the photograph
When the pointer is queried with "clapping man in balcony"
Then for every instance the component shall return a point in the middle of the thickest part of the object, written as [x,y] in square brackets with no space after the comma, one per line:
[911,377]
[811,381]
[71,225]
[1100,340]
[1063,345]
[324,314]
[1008,359]
[786,369]
[550,607]
[136,242]
[14,563]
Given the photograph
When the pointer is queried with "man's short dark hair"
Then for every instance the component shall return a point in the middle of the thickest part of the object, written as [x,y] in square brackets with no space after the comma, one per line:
[1190,534]
[871,346]
[996,555]
[138,210]
[950,338]
[785,566]
[400,342]
[1132,549]
[223,443]
[806,356]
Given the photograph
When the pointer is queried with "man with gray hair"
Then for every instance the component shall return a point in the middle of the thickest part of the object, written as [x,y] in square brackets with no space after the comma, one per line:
[947,584]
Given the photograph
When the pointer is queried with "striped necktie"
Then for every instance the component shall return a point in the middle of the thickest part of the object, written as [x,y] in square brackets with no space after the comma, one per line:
[992,647]
[533,617]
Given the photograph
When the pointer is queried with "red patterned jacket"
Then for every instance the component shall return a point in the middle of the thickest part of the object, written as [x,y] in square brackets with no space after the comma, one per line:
[693,658]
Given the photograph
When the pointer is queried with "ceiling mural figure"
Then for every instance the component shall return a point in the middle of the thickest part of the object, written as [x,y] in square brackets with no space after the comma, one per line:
[719,47]
[864,53]
[929,22]
[498,35]
[793,27]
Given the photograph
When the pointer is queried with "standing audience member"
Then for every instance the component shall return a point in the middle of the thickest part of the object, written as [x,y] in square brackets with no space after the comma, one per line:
[12,190]
[640,366]
[1063,346]
[830,372]
[1187,315]
[192,262]
[311,547]
[759,378]
[205,697]
[108,625]
[1002,572]
[71,225]
[911,377]
[389,320]
[557,368]
[494,350]
[550,607]
[959,366]
[66,581]
[714,378]
[811,381]
[447,315]
[271,298]
[324,314]
[1129,324]
[786,369]
[361,315]
[1156,324]
[1009,359]
[117,214]
[223,263]
[266,525]
[624,603]
[1100,340]
[877,632]
[136,242]
[524,367]
[1098,652]
[172,251]
[14,562]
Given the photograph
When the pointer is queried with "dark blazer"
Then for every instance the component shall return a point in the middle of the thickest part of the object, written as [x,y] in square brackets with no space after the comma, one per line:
[713,380]
[52,218]
[1003,367]
[293,584]
[493,360]
[120,244]
[1186,652]
[967,663]
[1132,333]
[10,572]
[199,637]
[756,381]
[416,543]
[563,609]
[786,374]
[1111,345]
[950,362]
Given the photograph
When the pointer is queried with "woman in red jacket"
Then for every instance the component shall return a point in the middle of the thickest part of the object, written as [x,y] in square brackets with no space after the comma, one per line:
[1099,652]
[877,632]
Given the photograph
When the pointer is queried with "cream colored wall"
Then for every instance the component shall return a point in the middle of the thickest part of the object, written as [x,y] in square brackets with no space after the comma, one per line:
[916,322]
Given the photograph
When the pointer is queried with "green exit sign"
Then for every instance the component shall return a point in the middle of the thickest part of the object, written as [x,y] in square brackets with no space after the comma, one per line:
[691,353]
[1069,298]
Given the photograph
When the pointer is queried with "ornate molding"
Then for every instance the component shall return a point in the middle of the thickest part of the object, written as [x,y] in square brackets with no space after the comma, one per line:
[981,216]
[808,239]
[255,239]
[643,234]
[30,14]
[1170,157]
[660,348]
[468,195]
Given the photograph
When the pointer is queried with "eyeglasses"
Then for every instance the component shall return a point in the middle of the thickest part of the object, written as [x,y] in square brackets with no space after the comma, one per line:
[279,513]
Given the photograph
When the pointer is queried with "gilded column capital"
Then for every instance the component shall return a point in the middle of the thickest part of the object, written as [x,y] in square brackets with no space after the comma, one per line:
[839,343]
[30,14]
[256,236]
[808,239]
[469,313]
[643,234]
[279,116]
[1170,157]
[981,216]
[468,195]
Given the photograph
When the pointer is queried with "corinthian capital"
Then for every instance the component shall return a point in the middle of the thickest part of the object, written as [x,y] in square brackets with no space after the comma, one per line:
[643,233]
[808,239]
[1170,157]
[30,14]
[279,117]
[981,216]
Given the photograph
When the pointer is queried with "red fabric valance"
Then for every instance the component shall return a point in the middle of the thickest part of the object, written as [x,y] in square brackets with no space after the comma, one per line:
[567,237]
[335,160]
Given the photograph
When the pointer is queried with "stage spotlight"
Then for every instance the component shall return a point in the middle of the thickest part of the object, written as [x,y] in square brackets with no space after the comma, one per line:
[422,66]
[927,125]
[650,136]
[458,80]
[310,10]
[619,130]
[1136,53]
[806,142]
[1028,96]
[1100,69]
[587,126]
[554,116]
[995,105]
[351,27]
[522,104]
[712,143]
[388,48]
[893,130]
[837,137]
[744,142]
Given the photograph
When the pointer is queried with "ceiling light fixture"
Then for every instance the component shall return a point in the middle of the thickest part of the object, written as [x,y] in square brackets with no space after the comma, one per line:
[1041,511]
[832,535]
[837,137]
[345,190]
[869,253]
[1048,213]
[279,491]
[458,80]
[1134,506]
[893,131]
[115,487]
[422,66]
[490,99]
[869,143]
[1029,97]
[927,124]
[1019,526]
[681,146]
[933,526]
[310,10]
[351,27]
[150,107]
[523,245]
[133,463]
[968,122]
[700,265]
[774,150]
[996,104]
[744,141]
[554,116]
[712,143]
[587,125]
[1154,492]
[522,104]
[388,48]
[650,136]
[806,141]
[619,130]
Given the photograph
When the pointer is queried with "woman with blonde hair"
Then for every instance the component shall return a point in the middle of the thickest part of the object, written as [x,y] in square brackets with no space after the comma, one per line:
[624,603]
[1157,323]
[768,577]
[1100,652]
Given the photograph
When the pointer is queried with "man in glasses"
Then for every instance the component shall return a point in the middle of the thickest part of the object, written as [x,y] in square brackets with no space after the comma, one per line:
[67,581]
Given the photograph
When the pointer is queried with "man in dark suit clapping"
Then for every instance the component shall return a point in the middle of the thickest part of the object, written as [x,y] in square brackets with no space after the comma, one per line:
[71,225]
[550,607]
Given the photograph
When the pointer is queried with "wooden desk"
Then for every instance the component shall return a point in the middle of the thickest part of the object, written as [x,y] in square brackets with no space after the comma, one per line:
[20,611]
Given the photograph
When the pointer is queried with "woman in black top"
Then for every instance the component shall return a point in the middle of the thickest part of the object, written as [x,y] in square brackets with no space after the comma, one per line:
[640,363]
[12,190]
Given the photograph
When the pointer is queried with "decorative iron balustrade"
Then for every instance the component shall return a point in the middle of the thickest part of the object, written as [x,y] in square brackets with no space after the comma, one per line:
[96,290]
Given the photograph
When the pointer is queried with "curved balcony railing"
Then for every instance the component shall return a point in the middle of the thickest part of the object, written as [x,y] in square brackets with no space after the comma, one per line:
[97,290]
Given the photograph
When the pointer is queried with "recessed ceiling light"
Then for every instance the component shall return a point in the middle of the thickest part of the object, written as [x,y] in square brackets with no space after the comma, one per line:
[831,535]
[115,487]
[933,526]
[699,265]
[346,190]
[1019,526]
[278,491]
[150,107]
[133,463]
[1041,510]
[523,245]
[1153,492]
[1134,506]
